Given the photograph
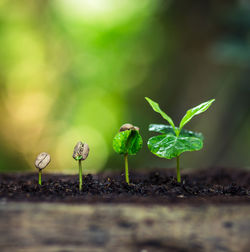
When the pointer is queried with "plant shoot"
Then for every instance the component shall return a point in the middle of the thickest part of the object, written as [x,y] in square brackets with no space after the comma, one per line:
[127,141]
[175,140]
[81,152]
[42,160]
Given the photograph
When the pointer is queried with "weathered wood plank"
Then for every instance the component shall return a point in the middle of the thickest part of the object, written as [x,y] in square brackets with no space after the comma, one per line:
[26,227]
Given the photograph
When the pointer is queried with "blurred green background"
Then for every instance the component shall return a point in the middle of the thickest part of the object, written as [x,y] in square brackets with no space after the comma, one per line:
[77,69]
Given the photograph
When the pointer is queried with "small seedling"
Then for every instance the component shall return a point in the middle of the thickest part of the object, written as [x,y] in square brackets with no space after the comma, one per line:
[175,140]
[42,160]
[127,141]
[81,152]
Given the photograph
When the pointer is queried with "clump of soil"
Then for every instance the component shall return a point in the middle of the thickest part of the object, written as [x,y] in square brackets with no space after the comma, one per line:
[157,187]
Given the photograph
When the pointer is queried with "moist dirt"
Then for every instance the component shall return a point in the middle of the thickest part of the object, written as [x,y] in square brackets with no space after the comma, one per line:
[210,186]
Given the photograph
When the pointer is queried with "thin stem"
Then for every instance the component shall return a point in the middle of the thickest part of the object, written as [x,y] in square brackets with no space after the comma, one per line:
[178,169]
[40,177]
[177,131]
[80,175]
[126,168]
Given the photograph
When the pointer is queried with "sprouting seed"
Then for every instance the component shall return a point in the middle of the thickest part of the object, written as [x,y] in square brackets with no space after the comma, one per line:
[127,141]
[42,160]
[81,152]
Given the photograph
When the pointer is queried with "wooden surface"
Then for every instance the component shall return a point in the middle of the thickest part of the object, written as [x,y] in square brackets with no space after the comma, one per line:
[47,227]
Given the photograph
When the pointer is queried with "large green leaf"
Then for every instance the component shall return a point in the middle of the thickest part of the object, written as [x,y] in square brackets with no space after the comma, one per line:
[170,146]
[167,129]
[161,128]
[127,142]
[195,111]
[155,106]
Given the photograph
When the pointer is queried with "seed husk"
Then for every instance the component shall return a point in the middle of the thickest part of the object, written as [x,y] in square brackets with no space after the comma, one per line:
[81,151]
[42,160]
[128,126]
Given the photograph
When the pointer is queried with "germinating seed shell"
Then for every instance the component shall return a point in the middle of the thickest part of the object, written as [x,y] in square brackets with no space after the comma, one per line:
[81,149]
[42,160]
[128,126]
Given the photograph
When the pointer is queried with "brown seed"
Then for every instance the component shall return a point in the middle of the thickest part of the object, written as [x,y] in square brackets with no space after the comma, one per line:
[81,151]
[128,126]
[42,160]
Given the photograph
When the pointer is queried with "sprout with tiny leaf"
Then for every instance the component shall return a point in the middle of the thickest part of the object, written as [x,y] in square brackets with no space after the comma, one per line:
[81,152]
[127,141]
[175,140]
[42,160]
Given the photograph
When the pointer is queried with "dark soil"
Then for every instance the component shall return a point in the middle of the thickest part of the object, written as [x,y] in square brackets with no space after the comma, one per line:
[157,187]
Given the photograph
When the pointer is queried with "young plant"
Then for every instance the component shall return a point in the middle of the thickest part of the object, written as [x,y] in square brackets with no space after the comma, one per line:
[81,152]
[42,160]
[127,141]
[175,140]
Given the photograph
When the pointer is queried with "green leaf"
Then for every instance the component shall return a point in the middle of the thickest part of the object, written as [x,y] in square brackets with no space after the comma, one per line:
[189,133]
[127,142]
[195,111]
[78,158]
[155,106]
[167,129]
[170,146]
[161,128]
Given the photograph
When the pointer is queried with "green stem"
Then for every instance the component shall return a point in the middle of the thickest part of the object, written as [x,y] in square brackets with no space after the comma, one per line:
[126,168]
[40,177]
[177,131]
[80,175]
[178,169]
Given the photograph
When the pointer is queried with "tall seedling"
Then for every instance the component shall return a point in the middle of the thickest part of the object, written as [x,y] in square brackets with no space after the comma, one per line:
[175,140]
